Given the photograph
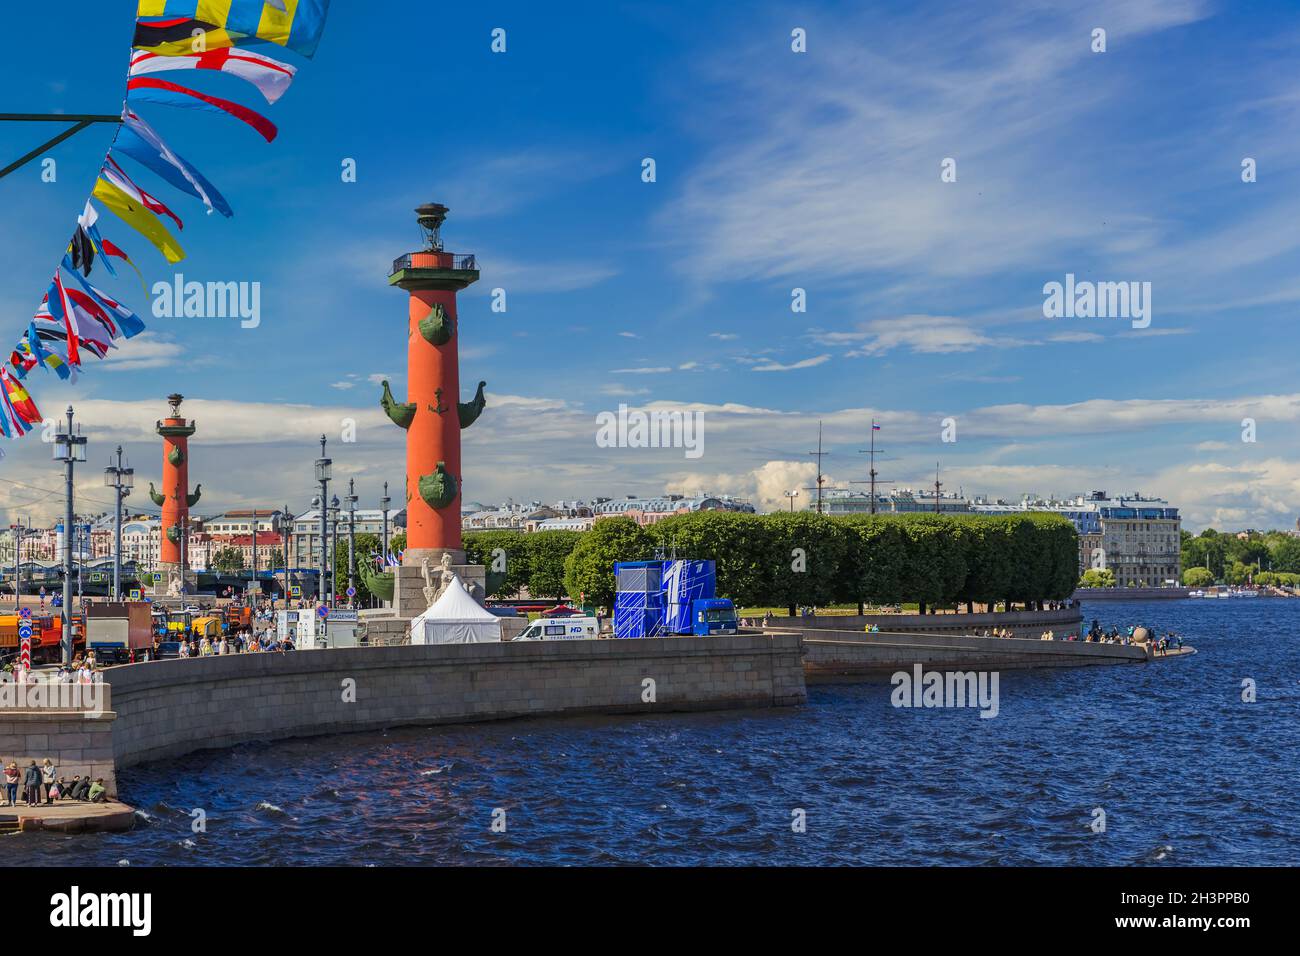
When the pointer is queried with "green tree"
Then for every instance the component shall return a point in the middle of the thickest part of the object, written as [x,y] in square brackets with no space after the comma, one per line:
[804,559]
[935,570]
[1240,573]
[589,568]
[877,565]
[228,560]
[547,553]
[367,546]
[1286,555]
[989,558]
[1250,550]
[737,543]
[506,555]
[1097,578]
[1197,578]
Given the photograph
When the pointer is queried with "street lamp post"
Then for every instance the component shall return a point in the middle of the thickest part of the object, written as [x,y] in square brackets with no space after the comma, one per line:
[81,562]
[791,495]
[69,448]
[323,472]
[252,590]
[287,519]
[122,480]
[334,549]
[17,531]
[384,502]
[352,535]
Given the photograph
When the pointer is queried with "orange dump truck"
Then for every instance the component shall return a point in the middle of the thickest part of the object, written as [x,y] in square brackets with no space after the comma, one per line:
[239,618]
[47,632]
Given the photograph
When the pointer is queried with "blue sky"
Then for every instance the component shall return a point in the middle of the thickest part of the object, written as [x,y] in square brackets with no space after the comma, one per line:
[775,170]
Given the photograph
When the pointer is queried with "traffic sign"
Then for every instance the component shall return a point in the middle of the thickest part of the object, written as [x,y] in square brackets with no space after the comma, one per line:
[323,612]
[351,592]
[25,614]
[295,591]
[42,590]
[26,652]
[135,594]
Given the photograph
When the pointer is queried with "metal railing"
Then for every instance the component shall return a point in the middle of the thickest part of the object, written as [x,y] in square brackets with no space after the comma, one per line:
[459,263]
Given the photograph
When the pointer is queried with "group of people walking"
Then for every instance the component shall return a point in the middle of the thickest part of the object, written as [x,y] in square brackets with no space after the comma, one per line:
[43,785]
[235,644]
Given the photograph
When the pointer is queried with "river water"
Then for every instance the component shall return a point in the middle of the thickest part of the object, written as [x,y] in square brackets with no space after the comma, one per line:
[1184,770]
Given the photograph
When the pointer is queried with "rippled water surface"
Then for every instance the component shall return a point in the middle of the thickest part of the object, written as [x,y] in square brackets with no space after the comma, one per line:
[1185,771]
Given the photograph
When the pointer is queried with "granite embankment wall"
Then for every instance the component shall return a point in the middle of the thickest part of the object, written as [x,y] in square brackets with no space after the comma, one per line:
[80,744]
[168,708]
[1023,623]
[1131,594]
[830,654]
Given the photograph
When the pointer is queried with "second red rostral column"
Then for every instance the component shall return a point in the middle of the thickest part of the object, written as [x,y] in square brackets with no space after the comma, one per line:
[175,499]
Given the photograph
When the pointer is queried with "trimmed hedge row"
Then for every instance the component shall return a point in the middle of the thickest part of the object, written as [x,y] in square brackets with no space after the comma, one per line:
[784,559]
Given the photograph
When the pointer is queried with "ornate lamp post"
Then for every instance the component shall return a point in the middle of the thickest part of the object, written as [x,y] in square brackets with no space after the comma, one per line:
[69,448]
[122,480]
[324,470]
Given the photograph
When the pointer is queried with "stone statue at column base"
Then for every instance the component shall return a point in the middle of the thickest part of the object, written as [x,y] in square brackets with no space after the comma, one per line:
[434,591]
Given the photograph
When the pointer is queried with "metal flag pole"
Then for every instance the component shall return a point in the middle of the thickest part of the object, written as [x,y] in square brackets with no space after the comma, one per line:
[81,121]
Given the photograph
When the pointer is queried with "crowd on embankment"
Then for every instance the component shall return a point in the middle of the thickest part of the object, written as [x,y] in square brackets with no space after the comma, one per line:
[41,784]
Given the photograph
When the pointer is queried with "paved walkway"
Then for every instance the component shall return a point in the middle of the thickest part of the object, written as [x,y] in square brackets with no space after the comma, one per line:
[68,816]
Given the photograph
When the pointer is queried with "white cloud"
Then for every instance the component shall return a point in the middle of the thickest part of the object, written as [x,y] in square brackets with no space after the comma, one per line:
[765,485]
[917,333]
[803,363]
[997,92]
[147,350]
[553,275]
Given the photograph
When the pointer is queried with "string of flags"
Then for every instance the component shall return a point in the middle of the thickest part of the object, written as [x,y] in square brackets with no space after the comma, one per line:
[76,319]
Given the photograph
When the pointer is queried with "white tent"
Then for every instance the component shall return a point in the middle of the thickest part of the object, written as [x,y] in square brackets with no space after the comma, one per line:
[455,618]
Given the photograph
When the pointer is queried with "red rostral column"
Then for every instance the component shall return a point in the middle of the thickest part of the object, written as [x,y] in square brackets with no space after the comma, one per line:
[433,414]
[175,499]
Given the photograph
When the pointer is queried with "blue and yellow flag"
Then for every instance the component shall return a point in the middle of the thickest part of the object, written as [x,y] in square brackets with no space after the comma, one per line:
[168,26]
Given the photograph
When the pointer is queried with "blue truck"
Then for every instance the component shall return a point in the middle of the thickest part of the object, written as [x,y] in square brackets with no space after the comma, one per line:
[665,597]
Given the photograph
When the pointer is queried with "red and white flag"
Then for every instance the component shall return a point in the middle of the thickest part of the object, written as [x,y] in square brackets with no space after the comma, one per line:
[270,76]
[116,175]
[65,313]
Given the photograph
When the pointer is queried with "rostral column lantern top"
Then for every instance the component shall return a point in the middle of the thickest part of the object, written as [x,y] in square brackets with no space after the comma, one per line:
[433,268]
[175,426]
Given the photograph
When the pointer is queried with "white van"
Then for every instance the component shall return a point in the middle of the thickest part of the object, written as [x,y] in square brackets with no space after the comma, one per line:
[561,629]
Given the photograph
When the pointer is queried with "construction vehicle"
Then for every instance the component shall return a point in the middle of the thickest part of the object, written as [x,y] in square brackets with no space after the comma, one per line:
[239,619]
[119,632]
[209,627]
[47,638]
